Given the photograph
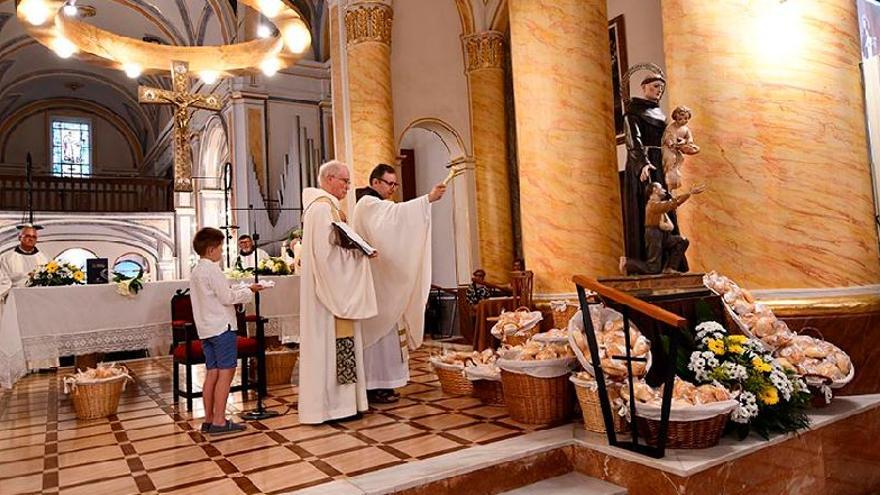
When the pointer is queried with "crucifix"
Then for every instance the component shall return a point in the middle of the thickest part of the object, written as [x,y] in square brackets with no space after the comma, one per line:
[182,100]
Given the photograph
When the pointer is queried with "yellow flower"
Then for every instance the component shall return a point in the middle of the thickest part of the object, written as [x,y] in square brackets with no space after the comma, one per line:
[716,346]
[737,339]
[769,396]
[79,276]
[736,349]
[760,365]
[52,267]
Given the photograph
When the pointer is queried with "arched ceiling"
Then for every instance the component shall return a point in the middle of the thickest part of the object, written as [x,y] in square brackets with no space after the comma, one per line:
[29,72]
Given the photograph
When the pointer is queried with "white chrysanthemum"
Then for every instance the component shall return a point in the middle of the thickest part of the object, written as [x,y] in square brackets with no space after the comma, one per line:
[782,383]
[735,372]
[747,409]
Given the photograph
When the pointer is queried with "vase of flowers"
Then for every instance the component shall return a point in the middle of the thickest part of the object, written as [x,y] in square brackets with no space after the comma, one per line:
[55,273]
[273,266]
[128,286]
[771,398]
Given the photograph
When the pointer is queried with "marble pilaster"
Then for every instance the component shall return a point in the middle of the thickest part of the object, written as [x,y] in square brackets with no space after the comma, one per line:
[569,190]
[778,111]
[484,56]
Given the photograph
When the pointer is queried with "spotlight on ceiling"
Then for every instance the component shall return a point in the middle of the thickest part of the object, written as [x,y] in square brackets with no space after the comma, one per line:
[63,47]
[35,12]
[264,31]
[270,66]
[270,8]
[132,70]
[297,36]
[70,8]
[209,76]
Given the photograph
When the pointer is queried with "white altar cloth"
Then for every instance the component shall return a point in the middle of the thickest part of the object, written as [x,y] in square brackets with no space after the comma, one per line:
[39,323]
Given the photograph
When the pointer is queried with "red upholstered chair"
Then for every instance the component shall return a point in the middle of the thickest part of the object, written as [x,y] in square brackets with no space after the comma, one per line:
[186,349]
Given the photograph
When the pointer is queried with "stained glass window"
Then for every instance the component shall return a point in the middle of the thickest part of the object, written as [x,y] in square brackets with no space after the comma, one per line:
[71,147]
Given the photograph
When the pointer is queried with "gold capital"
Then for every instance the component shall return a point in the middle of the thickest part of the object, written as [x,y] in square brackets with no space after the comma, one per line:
[484,50]
[368,21]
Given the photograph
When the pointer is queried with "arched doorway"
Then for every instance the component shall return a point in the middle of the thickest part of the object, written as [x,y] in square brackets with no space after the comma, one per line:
[212,200]
[434,145]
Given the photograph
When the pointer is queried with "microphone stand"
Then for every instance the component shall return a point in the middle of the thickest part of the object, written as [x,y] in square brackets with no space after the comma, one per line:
[259,412]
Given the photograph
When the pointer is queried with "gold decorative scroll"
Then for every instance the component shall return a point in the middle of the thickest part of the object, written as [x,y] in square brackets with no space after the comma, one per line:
[368,21]
[484,50]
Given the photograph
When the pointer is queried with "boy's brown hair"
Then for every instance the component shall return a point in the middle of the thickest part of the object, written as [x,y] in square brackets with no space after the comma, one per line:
[205,238]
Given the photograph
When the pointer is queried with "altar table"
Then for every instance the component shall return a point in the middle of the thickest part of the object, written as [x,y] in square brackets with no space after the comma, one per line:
[45,323]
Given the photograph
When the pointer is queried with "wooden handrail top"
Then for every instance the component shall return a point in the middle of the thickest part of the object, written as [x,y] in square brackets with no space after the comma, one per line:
[157,181]
[625,299]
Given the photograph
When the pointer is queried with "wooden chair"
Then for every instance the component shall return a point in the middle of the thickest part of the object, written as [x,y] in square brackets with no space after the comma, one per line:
[186,349]
[522,285]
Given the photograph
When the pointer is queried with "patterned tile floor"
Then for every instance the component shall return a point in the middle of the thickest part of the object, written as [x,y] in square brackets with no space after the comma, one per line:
[151,446]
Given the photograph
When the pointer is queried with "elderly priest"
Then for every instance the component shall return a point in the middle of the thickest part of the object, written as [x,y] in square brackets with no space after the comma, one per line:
[16,265]
[336,292]
[402,277]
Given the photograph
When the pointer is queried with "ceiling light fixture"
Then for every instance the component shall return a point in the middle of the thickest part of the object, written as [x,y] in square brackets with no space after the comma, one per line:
[132,70]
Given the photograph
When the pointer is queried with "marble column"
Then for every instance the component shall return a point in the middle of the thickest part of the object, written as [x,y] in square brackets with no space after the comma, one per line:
[368,80]
[485,71]
[569,192]
[778,111]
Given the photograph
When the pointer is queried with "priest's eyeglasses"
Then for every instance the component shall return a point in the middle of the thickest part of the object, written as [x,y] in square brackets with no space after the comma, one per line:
[389,184]
[346,181]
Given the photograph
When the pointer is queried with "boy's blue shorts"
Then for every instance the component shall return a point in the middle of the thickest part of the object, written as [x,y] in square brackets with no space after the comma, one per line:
[220,351]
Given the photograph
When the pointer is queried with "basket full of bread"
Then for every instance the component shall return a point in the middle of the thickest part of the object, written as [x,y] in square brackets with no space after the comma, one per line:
[485,376]
[824,366]
[587,390]
[611,341]
[697,416]
[562,312]
[516,327]
[534,377]
[449,367]
[95,392]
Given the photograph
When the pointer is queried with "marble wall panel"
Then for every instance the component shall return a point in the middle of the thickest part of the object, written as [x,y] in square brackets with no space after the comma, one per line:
[778,111]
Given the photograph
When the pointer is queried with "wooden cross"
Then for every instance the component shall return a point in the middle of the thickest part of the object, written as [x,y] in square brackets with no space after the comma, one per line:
[182,100]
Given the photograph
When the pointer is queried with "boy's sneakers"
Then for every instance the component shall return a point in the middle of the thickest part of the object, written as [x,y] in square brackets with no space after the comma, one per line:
[205,426]
[229,427]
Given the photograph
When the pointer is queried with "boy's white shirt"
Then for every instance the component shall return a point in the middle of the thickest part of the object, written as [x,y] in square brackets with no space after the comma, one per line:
[213,299]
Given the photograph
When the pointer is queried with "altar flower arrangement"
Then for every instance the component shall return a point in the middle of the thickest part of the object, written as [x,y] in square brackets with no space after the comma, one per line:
[273,266]
[238,273]
[128,286]
[55,273]
[772,398]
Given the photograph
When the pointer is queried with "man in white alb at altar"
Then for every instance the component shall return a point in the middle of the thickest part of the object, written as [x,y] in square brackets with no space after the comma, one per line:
[17,264]
[402,278]
[246,249]
[336,292]
[15,269]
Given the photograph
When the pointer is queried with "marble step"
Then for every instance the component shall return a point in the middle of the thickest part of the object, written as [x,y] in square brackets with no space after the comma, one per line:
[569,484]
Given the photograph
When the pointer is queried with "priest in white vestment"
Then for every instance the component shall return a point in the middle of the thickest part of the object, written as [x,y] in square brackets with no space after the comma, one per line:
[336,292]
[402,278]
[245,258]
[17,264]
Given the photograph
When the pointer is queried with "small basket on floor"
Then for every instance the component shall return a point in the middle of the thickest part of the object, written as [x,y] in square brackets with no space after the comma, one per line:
[591,409]
[280,365]
[486,381]
[452,379]
[96,397]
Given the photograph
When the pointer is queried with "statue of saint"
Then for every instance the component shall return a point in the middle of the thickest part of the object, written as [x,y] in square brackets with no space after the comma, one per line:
[645,124]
